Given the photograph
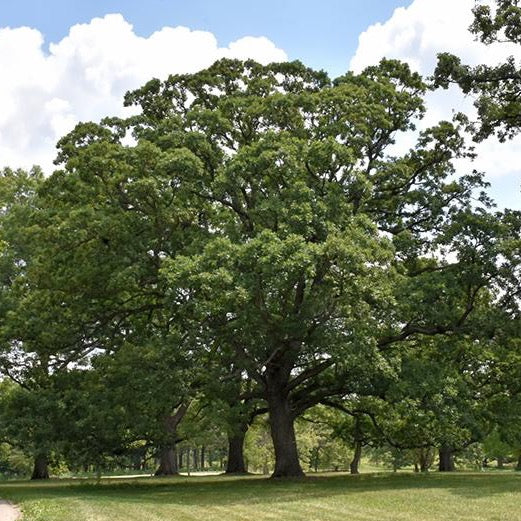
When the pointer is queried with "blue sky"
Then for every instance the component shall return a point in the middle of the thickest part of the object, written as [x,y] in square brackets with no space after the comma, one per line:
[64,61]
[323,34]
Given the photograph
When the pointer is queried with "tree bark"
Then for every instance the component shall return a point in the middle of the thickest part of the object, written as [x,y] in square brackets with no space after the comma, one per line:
[518,466]
[354,466]
[235,464]
[41,467]
[167,462]
[357,456]
[446,459]
[282,420]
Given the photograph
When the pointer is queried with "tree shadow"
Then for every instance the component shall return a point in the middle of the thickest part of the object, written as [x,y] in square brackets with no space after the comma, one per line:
[219,491]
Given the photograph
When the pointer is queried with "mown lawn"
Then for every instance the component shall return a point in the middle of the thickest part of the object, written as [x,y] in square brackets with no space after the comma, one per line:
[385,497]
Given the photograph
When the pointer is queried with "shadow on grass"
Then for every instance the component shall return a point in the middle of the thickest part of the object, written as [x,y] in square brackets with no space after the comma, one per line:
[223,491]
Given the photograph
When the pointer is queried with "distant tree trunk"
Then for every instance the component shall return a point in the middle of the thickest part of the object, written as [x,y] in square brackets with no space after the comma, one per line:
[314,459]
[282,419]
[137,461]
[446,459]
[265,466]
[41,467]
[180,458]
[195,456]
[518,466]
[235,464]
[425,457]
[168,464]
[203,451]
[354,466]
[500,462]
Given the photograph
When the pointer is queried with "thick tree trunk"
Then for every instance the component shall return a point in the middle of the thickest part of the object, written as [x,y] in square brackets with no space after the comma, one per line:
[446,459]
[235,464]
[354,466]
[283,434]
[167,462]
[41,467]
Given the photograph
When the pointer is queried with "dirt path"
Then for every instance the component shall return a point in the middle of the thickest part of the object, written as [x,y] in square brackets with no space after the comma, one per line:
[8,512]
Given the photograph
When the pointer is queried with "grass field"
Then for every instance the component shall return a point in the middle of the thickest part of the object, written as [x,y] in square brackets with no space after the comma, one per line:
[384,497]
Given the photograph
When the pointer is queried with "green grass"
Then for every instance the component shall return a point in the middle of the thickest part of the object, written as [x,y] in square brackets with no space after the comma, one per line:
[383,497]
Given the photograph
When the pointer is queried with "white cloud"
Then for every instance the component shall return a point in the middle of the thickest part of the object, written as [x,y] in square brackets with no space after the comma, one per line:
[416,34]
[85,75]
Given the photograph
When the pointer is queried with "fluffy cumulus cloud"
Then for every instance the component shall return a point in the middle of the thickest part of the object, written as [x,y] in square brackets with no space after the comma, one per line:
[416,34]
[45,91]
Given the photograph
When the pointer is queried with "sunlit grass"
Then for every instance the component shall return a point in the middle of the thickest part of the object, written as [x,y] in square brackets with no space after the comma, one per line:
[385,497]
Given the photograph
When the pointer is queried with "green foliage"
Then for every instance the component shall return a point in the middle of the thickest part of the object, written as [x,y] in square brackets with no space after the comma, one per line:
[497,87]
[257,249]
[13,462]
[498,22]
[258,449]
[494,447]
[319,450]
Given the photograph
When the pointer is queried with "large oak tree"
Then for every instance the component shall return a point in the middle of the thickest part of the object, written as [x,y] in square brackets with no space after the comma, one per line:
[262,216]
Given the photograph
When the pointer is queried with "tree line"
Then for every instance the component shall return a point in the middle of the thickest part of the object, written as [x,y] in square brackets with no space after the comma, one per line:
[250,245]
